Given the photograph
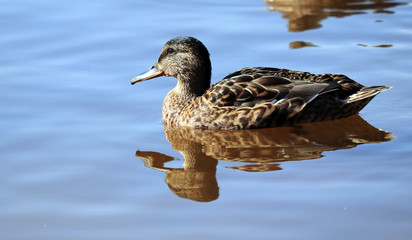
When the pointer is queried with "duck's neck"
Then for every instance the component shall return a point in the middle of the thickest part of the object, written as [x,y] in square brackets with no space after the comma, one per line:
[180,102]
[192,86]
[194,81]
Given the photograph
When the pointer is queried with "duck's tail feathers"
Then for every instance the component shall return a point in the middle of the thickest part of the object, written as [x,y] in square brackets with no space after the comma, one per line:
[366,92]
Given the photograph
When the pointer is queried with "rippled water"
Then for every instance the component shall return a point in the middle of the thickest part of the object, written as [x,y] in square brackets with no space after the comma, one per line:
[83,154]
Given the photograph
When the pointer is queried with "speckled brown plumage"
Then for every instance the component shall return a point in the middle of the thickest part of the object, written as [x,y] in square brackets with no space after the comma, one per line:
[255,97]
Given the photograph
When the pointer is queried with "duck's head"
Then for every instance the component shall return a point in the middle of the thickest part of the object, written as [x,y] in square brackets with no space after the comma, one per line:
[186,59]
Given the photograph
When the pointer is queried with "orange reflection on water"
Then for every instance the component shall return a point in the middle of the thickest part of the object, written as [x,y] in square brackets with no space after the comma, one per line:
[307,14]
[260,149]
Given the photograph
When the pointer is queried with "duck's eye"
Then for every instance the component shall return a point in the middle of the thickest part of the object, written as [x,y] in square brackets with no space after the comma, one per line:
[170,50]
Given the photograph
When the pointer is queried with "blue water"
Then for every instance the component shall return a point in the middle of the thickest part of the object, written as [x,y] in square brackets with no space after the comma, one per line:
[71,123]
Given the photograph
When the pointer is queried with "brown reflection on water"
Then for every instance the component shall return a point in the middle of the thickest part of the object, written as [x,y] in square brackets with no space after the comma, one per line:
[301,44]
[307,14]
[260,149]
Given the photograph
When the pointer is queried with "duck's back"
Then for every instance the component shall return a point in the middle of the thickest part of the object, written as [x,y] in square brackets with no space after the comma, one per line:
[270,97]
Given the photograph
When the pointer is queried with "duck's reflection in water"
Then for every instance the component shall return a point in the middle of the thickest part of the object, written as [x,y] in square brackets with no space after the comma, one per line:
[307,14]
[261,150]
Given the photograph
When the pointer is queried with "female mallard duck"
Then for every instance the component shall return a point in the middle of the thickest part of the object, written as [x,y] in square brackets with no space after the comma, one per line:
[255,97]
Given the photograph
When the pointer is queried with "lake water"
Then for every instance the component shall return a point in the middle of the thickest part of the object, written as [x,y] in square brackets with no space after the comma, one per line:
[83,154]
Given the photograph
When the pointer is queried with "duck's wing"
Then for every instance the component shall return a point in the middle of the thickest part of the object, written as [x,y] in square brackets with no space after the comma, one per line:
[258,97]
[249,87]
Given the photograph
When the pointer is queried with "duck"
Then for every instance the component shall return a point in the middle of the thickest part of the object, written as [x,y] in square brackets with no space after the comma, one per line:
[252,97]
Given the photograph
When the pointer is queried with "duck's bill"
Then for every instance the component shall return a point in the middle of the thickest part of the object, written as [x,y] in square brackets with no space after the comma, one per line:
[153,72]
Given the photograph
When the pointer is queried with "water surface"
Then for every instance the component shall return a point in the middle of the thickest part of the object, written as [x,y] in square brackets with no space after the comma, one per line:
[84,154]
